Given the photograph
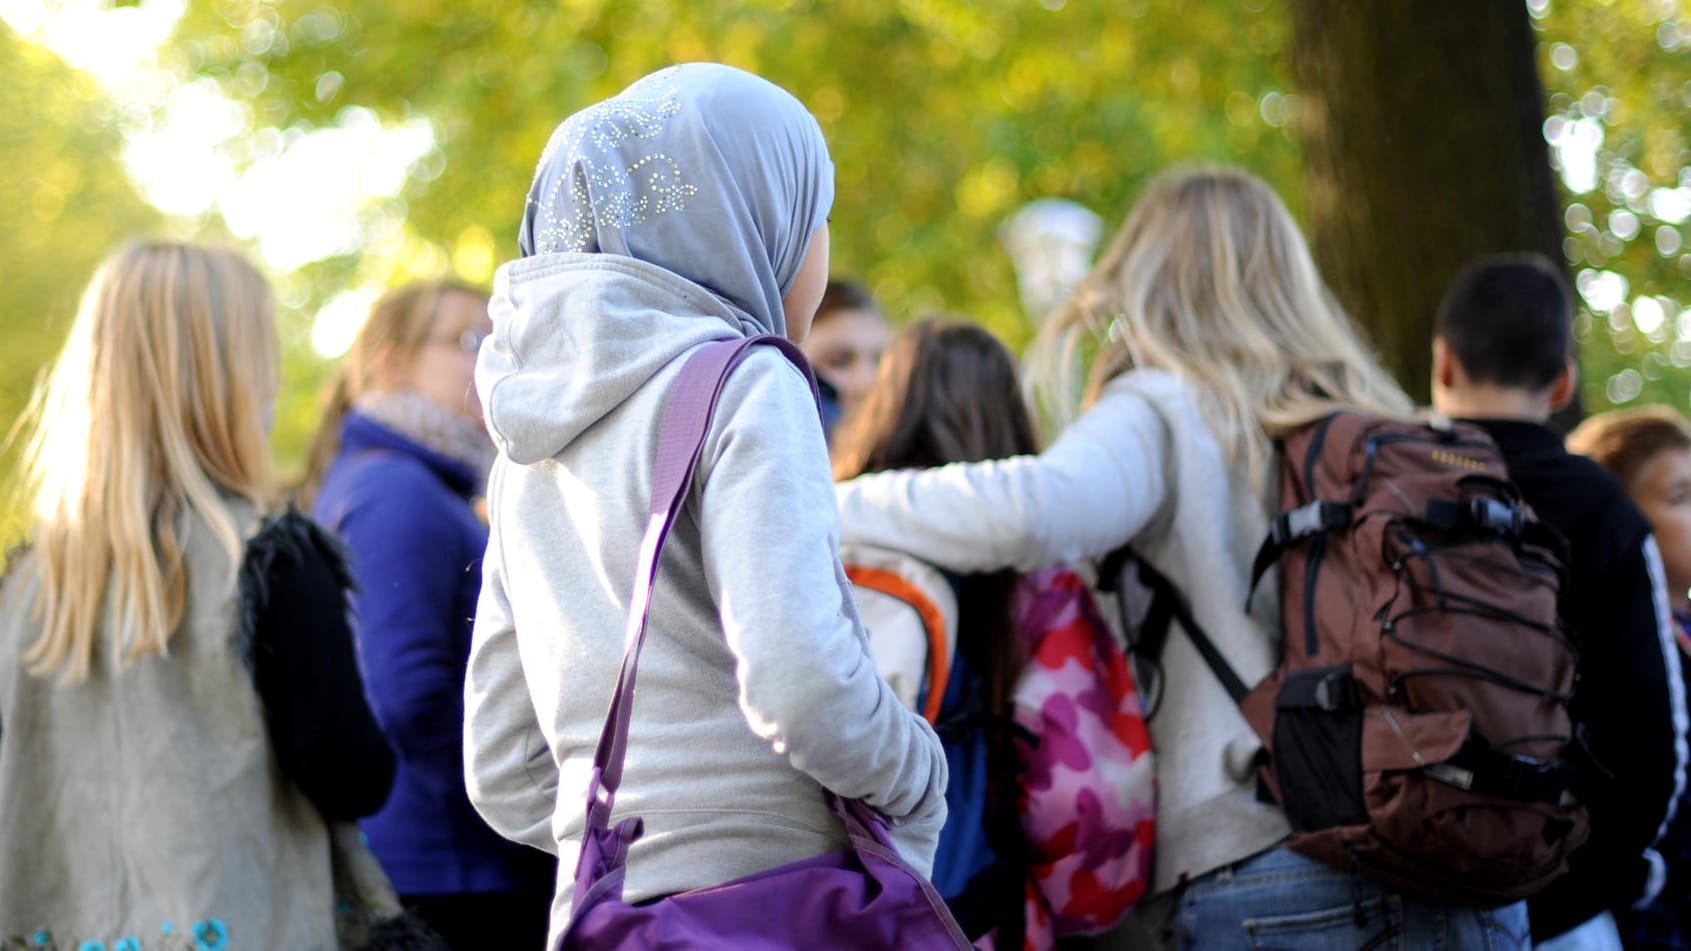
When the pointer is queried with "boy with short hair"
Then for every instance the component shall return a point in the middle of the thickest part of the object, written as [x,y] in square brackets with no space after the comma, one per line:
[1501,360]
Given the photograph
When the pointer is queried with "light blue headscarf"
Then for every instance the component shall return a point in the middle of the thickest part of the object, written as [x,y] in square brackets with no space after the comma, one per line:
[702,169]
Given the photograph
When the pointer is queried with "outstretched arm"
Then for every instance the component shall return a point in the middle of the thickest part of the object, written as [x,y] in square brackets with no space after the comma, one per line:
[1092,490]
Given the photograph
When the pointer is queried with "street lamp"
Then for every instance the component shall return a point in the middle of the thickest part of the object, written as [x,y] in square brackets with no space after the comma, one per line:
[1050,242]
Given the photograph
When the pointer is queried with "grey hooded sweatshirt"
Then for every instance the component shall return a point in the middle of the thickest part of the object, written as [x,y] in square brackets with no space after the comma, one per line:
[756,689]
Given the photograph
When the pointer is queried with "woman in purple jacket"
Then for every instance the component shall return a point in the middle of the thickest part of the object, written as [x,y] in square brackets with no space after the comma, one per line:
[395,469]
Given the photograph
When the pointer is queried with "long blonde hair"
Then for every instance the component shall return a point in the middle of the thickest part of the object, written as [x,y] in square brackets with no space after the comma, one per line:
[398,326]
[155,407]
[1210,279]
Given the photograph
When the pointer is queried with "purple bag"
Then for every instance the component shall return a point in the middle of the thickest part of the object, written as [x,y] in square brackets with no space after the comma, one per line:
[866,898]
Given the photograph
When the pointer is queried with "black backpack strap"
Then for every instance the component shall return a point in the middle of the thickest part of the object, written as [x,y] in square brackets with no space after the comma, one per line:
[1504,519]
[1144,640]
[1479,767]
[1168,604]
[1290,526]
[1477,515]
[1147,638]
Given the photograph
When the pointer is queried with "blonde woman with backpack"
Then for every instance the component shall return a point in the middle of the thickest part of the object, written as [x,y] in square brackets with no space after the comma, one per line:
[181,715]
[1203,332]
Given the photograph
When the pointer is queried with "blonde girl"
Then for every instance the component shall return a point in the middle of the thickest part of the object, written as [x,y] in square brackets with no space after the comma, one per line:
[1204,331]
[180,709]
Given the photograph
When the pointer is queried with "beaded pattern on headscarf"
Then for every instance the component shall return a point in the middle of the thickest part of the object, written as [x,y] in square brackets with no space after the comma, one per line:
[631,194]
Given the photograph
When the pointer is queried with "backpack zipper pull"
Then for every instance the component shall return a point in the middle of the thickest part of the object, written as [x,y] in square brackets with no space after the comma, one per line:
[1391,721]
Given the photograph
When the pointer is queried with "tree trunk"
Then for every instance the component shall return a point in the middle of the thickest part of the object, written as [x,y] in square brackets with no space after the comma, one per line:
[1421,123]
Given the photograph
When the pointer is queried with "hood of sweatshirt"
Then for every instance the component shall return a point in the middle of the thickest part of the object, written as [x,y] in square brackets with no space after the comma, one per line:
[575,335]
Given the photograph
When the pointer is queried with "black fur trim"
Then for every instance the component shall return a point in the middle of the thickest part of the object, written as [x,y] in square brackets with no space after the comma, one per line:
[406,932]
[289,534]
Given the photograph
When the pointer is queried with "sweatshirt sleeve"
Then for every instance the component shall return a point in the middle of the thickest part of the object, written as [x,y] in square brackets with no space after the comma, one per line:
[508,767]
[1095,488]
[807,684]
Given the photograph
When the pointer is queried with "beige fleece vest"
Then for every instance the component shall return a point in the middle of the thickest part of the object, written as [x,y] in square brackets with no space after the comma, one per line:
[144,808]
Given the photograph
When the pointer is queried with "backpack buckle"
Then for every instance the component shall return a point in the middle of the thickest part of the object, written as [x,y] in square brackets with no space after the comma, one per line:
[1496,516]
[1478,767]
[1328,689]
[1305,520]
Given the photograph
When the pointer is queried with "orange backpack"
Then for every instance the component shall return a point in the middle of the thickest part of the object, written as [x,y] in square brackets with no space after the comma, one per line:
[910,611]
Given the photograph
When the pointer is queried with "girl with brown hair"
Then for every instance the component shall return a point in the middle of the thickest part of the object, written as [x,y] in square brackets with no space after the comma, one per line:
[1050,787]
[947,392]
[396,467]
[844,346]
[1648,449]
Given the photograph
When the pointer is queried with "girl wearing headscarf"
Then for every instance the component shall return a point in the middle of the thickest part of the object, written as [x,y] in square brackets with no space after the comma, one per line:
[690,208]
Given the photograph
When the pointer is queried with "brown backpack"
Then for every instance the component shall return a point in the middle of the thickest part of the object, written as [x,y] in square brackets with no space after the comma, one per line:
[1417,726]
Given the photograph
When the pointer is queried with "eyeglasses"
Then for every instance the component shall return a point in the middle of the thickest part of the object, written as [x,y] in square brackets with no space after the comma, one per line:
[469,341]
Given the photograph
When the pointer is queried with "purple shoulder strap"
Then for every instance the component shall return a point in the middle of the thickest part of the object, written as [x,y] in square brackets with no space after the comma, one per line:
[687,416]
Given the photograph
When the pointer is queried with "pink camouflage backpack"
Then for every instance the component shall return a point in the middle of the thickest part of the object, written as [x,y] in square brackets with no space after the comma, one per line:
[1084,796]
[1088,802]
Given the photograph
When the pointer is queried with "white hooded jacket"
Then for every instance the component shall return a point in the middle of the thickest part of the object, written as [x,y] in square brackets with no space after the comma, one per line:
[756,689]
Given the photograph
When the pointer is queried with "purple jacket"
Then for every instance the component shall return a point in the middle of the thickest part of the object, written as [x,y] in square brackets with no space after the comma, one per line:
[405,514]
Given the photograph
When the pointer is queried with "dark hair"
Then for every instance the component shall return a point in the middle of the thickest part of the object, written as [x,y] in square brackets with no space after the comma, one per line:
[1508,320]
[948,392]
[1623,441]
[844,295]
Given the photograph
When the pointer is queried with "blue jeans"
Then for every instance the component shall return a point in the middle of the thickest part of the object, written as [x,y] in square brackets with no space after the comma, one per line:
[1281,900]
[1597,934]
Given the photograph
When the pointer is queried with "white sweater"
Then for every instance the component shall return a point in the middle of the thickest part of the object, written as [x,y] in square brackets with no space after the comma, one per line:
[1140,466]
[756,688]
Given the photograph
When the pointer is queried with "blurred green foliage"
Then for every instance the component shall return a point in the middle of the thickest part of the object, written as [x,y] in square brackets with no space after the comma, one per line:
[68,202]
[1619,71]
[943,116]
